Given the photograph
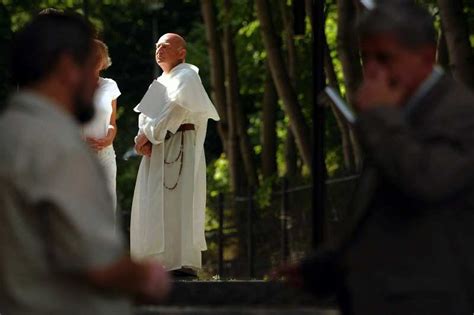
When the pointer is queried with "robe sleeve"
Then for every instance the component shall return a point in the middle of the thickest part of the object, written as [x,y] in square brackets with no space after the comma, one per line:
[170,120]
[114,90]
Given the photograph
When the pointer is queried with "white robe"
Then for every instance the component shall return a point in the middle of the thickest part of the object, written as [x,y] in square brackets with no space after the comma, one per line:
[168,225]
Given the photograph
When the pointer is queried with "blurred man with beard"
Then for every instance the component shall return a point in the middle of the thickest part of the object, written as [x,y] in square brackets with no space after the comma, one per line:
[59,251]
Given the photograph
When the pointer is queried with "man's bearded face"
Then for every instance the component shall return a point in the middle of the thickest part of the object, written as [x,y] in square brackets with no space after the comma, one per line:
[85,89]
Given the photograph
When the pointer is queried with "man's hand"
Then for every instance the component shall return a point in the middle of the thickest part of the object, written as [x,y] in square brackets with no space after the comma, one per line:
[378,90]
[145,149]
[142,145]
[146,280]
[157,283]
[289,273]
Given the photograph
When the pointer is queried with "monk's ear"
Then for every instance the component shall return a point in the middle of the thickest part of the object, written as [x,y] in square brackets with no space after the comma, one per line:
[182,53]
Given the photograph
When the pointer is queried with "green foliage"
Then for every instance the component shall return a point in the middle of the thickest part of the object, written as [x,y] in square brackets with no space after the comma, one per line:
[218,176]
[263,195]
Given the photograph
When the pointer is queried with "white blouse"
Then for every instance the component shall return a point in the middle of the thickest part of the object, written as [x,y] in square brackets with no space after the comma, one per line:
[104,95]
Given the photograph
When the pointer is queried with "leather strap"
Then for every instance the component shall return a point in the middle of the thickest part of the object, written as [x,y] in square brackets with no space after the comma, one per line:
[186,127]
[182,128]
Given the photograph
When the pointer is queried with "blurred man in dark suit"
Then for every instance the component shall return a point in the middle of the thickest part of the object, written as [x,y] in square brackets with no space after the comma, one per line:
[410,246]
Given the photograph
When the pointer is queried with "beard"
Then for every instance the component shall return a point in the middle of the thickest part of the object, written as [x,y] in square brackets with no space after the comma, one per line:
[83,109]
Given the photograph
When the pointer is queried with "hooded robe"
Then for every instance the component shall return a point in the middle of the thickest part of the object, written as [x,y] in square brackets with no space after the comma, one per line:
[168,209]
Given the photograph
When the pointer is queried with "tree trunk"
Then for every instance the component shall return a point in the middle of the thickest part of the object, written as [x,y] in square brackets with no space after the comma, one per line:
[341,124]
[289,37]
[240,121]
[291,157]
[348,49]
[233,153]
[269,124]
[233,149]
[281,79]
[291,154]
[457,38]
[348,143]
[217,67]
[5,37]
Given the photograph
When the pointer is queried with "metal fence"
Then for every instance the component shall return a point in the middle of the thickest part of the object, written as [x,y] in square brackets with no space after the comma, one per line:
[250,240]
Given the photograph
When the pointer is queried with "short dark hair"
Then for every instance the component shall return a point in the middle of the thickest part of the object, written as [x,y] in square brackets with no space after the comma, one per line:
[49,11]
[409,22]
[37,47]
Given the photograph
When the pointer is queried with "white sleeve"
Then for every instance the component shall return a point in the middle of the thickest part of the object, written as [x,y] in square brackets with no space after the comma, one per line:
[170,120]
[114,90]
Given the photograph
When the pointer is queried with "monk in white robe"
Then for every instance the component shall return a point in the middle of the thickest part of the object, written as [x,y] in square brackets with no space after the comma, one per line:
[168,210]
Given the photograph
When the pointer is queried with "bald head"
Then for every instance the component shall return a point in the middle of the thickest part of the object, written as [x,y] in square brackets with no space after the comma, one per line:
[170,51]
[174,39]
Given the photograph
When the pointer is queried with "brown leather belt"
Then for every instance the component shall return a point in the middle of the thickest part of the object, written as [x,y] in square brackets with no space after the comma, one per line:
[186,127]
[182,128]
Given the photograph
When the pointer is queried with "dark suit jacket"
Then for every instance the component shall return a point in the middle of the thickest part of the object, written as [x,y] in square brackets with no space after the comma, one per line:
[411,247]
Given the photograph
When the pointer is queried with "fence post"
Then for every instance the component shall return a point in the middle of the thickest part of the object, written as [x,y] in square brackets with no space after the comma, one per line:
[250,234]
[220,201]
[284,220]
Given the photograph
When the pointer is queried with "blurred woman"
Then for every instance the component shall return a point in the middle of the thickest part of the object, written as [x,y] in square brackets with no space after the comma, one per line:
[100,132]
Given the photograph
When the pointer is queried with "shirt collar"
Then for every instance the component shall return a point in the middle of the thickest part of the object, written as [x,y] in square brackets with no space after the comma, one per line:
[423,90]
[183,65]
